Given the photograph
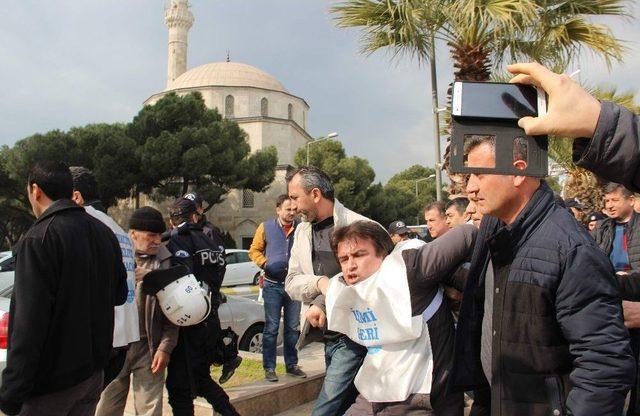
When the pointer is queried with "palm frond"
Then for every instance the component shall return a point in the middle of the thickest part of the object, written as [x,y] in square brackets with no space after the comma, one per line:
[586,7]
[486,21]
[581,183]
[403,25]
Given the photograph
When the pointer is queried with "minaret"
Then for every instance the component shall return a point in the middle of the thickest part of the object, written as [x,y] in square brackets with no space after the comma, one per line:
[179,20]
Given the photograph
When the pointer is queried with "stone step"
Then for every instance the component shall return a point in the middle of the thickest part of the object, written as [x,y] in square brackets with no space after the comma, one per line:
[265,398]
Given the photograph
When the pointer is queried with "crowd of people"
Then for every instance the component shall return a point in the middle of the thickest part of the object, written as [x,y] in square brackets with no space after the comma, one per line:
[520,301]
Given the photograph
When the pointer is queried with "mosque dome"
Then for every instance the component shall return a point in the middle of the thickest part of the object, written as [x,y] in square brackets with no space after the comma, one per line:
[228,74]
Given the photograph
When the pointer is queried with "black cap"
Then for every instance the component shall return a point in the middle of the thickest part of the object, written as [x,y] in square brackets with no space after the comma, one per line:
[182,207]
[147,219]
[573,203]
[596,216]
[194,197]
[398,227]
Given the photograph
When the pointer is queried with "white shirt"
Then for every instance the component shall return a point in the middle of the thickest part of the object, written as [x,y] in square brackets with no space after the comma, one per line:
[126,327]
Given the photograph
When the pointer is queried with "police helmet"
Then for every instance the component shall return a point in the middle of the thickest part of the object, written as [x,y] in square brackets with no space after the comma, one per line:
[181,296]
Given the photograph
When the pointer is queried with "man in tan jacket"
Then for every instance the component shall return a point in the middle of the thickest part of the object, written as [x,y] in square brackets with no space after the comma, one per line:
[146,359]
[270,251]
[312,258]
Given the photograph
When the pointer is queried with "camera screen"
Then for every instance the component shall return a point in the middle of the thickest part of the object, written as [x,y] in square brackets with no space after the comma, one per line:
[500,101]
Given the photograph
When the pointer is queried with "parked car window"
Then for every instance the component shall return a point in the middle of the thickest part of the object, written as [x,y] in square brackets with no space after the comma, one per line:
[230,258]
[243,257]
[8,265]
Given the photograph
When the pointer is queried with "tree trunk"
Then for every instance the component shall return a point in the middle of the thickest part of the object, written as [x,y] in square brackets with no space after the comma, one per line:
[472,63]
[136,194]
[185,186]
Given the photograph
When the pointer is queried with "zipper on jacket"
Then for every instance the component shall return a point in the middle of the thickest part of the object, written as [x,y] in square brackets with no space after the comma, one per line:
[555,395]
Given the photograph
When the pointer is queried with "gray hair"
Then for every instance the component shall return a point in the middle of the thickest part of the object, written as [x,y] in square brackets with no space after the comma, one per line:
[614,187]
[439,205]
[311,178]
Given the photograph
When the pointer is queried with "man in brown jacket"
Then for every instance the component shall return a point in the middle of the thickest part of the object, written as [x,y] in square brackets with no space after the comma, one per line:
[146,359]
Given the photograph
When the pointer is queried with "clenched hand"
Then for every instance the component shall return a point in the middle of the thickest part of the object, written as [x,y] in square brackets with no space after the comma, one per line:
[316,317]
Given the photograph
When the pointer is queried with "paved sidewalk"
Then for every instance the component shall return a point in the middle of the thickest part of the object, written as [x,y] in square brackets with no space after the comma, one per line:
[303,410]
[311,360]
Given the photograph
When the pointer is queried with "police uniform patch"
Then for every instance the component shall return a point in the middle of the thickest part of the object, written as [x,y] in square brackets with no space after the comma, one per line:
[181,253]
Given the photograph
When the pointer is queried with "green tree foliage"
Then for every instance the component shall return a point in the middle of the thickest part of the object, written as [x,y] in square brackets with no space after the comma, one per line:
[482,35]
[14,207]
[351,176]
[184,144]
[103,148]
[111,155]
[168,148]
[405,183]
[554,184]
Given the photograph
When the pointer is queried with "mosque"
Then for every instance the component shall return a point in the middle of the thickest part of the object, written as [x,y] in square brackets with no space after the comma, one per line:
[258,102]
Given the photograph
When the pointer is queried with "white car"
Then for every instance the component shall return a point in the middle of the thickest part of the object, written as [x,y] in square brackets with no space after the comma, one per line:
[244,316]
[4,332]
[240,269]
[7,263]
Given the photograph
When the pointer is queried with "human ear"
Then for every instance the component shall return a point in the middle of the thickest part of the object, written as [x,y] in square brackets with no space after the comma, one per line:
[519,179]
[76,197]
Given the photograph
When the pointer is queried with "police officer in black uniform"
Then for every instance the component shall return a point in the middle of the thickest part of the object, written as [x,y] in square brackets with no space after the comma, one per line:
[189,368]
[227,340]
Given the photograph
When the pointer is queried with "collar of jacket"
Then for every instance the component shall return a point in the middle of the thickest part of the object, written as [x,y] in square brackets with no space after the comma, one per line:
[294,224]
[58,206]
[97,204]
[632,223]
[515,235]
[339,214]
[185,228]
[163,253]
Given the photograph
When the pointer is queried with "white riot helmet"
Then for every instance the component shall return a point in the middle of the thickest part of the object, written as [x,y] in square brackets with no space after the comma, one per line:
[182,298]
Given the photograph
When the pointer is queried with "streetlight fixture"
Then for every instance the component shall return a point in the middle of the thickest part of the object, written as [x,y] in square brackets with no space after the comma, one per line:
[420,180]
[328,136]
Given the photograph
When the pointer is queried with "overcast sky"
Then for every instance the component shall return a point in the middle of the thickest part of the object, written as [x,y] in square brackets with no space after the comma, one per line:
[68,63]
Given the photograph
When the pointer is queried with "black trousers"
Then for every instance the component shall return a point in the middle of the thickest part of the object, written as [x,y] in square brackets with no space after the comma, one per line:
[115,364]
[221,353]
[634,408]
[188,374]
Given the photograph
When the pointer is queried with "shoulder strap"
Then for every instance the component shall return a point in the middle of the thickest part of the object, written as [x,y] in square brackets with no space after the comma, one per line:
[434,305]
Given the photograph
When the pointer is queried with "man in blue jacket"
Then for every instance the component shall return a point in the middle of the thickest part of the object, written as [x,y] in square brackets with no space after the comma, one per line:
[270,250]
[69,276]
[541,330]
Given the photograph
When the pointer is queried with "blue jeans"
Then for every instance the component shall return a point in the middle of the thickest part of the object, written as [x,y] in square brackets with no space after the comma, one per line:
[275,300]
[343,358]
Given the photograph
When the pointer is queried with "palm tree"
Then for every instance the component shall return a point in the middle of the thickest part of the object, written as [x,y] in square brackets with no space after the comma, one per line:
[580,183]
[482,34]
[404,27]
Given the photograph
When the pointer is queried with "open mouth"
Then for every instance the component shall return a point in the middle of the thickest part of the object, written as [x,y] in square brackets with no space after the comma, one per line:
[351,277]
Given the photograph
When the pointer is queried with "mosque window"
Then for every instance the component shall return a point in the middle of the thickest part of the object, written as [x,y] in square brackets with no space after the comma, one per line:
[290,111]
[229,104]
[264,107]
[247,198]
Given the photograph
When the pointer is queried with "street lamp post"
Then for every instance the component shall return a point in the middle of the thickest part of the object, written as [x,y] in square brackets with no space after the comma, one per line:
[436,118]
[420,180]
[328,136]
